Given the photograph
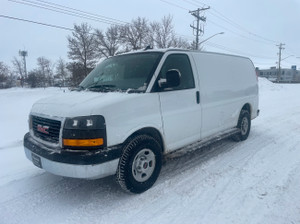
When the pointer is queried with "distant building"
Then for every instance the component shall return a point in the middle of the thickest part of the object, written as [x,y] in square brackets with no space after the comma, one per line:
[288,75]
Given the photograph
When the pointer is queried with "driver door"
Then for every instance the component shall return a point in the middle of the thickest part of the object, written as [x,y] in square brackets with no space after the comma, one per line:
[180,108]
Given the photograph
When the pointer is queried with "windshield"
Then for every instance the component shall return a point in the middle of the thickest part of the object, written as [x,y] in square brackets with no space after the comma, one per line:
[131,72]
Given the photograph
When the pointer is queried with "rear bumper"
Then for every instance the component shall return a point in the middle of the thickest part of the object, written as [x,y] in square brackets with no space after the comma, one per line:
[88,165]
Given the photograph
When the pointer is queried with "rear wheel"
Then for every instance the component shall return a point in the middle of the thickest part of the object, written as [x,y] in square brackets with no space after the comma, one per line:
[140,164]
[244,124]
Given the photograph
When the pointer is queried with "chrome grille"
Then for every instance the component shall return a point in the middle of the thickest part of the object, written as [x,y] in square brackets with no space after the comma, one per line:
[46,129]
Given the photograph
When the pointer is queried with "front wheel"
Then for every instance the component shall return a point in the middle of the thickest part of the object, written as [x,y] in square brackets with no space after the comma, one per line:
[140,164]
[244,124]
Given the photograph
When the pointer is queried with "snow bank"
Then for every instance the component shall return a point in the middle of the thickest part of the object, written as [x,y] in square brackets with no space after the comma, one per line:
[15,107]
[266,85]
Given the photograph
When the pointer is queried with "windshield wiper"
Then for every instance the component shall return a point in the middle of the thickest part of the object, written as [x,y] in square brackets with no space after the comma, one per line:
[105,88]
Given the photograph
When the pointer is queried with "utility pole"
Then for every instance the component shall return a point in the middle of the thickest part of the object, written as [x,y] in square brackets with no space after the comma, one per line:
[279,60]
[24,54]
[198,29]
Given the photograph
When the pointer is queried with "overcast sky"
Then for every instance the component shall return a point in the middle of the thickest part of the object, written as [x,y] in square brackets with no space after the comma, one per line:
[251,28]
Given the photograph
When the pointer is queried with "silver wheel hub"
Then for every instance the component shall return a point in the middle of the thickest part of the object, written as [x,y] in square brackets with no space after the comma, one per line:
[143,165]
[244,126]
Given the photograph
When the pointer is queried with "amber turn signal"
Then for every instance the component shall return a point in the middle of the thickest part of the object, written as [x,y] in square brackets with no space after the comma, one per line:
[83,142]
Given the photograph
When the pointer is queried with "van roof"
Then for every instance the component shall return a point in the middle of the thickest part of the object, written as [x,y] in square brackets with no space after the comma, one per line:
[163,50]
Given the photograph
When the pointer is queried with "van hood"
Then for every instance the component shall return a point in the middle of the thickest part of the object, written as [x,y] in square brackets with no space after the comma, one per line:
[72,104]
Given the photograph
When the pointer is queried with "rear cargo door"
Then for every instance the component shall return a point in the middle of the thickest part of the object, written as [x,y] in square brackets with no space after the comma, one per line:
[180,107]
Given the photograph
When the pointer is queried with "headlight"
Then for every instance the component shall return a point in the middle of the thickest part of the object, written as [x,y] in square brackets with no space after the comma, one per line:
[86,122]
[86,131]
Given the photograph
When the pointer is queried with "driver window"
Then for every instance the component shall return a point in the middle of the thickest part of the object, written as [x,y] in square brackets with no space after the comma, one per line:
[180,62]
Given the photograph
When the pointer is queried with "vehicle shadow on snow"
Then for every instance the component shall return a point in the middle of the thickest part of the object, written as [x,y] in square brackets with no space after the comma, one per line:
[171,168]
[193,159]
[105,191]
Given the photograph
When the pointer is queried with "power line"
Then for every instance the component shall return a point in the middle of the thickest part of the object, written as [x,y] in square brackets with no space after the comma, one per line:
[35,22]
[68,12]
[226,19]
[62,11]
[238,34]
[44,24]
[85,12]
[261,40]
[237,51]
[290,51]
[173,4]
[231,50]
[234,24]
[198,2]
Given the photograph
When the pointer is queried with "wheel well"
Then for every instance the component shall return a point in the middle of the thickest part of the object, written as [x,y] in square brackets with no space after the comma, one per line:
[151,132]
[247,107]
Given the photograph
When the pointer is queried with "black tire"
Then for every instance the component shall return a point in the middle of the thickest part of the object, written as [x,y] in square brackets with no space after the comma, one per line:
[140,164]
[244,124]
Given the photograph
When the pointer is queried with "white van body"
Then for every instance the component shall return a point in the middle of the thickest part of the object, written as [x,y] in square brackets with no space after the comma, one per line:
[222,87]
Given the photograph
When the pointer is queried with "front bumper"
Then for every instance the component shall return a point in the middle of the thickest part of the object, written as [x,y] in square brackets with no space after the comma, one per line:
[90,164]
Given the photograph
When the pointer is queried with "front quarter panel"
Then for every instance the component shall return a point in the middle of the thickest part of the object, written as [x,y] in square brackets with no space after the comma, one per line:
[130,114]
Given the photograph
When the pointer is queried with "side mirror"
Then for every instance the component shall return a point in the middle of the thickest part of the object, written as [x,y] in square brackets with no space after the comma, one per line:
[172,79]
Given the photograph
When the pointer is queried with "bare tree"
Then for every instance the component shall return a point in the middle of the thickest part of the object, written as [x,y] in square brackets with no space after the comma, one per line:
[163,32]
[4,72]
[164,36]
[136,34]
[4,75]
[82,47]
[192,46]
[7,78]
[35,78]
[179,42]
[46,70]
[108,44]
[61,71]
[19,69]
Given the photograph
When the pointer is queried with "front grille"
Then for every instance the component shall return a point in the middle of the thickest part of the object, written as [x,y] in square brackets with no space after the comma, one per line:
[46,129]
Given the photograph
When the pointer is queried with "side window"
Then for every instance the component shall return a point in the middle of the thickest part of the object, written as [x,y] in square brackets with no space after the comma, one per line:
[180,62]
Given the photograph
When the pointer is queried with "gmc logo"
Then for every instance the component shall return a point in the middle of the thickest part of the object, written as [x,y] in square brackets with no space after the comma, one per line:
[43,129]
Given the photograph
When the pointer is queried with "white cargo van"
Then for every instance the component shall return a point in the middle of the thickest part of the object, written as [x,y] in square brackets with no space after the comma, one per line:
[136,108]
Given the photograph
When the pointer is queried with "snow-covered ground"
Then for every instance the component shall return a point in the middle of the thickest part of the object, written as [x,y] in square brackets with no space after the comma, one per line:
[256,181]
